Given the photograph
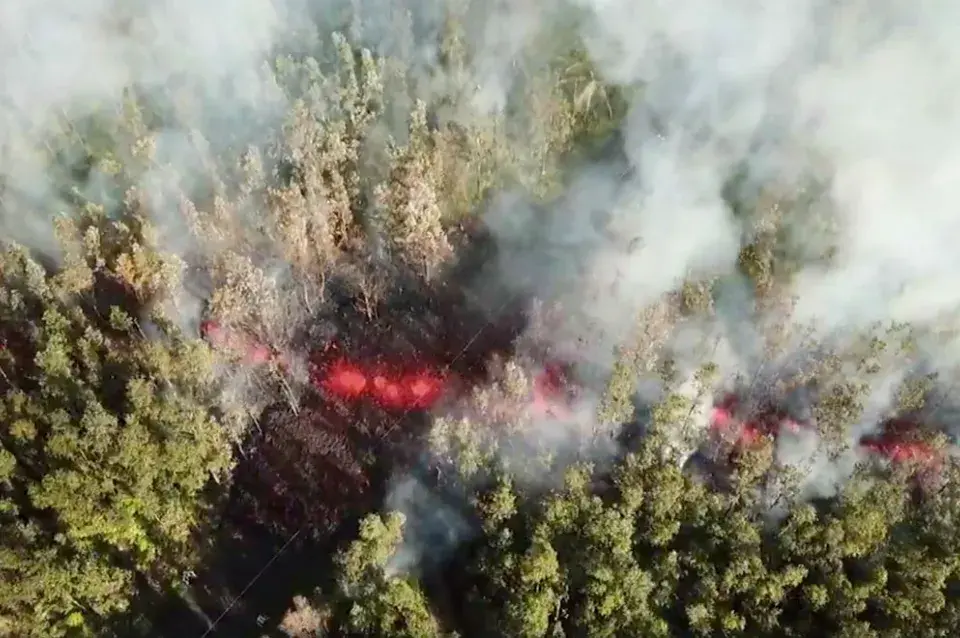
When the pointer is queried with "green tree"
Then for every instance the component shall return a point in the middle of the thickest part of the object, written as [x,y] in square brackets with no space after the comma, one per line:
[107,437]
[380,603]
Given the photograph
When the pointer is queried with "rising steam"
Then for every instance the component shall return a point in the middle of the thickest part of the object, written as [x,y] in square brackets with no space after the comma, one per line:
[854,105]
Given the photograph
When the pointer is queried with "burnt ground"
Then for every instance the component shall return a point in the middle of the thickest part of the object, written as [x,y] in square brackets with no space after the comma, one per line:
[309,476]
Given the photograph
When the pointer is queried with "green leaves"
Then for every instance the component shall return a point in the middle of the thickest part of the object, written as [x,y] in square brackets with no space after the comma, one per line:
[645,552]
[105,447]
[616,405]
[378,602]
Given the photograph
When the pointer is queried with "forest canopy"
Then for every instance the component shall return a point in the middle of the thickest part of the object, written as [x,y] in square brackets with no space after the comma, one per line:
[465,319]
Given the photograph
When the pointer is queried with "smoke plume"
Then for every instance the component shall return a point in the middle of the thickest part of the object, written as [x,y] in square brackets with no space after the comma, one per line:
[852,105]
[856,99]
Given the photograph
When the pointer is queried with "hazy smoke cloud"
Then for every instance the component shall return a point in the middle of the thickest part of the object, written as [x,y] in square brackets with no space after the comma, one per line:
[860,97]
[432,527]
[870,92]
[857,99]
[64,61]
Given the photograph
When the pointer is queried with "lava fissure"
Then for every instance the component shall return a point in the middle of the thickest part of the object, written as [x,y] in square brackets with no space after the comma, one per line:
[391,387]
[371,380]
[899,440]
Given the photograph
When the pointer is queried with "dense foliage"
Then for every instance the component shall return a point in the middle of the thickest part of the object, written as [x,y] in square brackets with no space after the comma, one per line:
[125,437]
[108,438]
[637,548]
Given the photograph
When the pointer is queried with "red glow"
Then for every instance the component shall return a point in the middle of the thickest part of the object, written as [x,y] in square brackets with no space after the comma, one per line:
[900,452]
[390,393]
[252,352]
[721,419]
[344,379]
[403,390]
[212,331]
[724,423]
[749,435]
[550,391]
[424,388]
[896,445]
[391,389]
[749,432]
[258,353]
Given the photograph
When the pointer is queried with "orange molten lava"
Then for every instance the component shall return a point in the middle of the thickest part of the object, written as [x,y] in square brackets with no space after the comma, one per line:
[749,432]
[344,379]
[550,390]
[898,441]
[392,390]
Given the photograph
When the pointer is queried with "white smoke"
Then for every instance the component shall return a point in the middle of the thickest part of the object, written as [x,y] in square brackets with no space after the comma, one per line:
[870,92]
[432,528]
[862,96]
[62,61]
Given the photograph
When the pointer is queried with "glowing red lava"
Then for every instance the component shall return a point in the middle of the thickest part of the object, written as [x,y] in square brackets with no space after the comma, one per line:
[902,452]
[214,332]
[253,352]
[551,390]
[344,379]
[403,390]
[898,442]
[725,424]
[424,389]
[393,387]
[751,431]
[721,419]
[388,392]
[388,387]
